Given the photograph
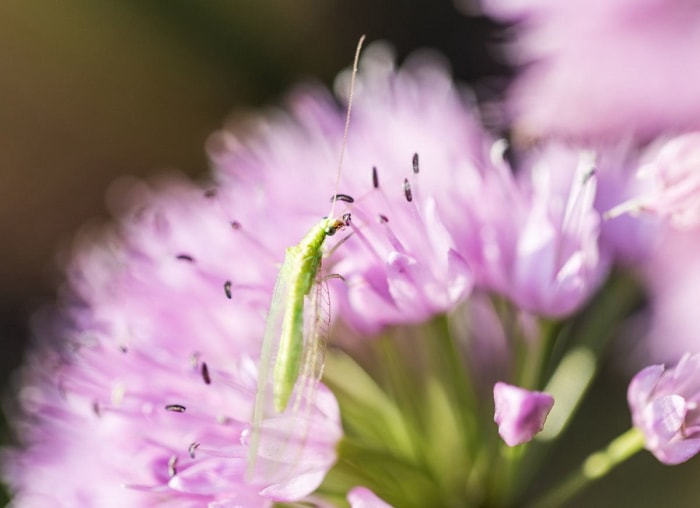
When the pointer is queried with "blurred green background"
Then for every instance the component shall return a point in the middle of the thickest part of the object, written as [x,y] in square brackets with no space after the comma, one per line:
[91,90]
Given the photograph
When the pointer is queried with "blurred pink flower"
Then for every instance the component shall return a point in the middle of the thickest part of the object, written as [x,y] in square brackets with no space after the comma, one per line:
[626,238]
[361,497]
[672,277]
[674,183]
[520,414]
[602,68]
[664,405]
[539,238]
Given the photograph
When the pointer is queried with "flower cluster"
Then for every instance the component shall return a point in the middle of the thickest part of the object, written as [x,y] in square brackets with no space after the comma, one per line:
[458,290]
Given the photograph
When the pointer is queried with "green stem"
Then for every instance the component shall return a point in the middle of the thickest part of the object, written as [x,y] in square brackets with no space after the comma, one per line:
[537,355]
[594,467]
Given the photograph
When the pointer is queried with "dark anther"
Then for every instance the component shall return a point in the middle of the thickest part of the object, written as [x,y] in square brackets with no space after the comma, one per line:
[342,197]
[588,175]
[172,466]
[236,225]
[193,447]
[227,289]
[346,218]
[375,177]
[415,164]
[176,408]
[205,373]
[407,190]
[185,257]
[382,219]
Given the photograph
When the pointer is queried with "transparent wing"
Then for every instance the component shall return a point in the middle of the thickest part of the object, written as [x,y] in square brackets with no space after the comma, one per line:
[282,445]
[317,324]
[273,328]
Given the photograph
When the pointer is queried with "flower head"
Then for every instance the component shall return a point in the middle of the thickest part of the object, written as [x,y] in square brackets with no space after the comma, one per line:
[520,414]
[540,245]
[664,405]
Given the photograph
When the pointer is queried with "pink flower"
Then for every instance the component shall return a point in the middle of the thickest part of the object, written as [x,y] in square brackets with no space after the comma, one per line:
[520,414]
[628,238]
[664,406]
[602,68]
[539,240]
[672,278]
[674,176]
[143,390]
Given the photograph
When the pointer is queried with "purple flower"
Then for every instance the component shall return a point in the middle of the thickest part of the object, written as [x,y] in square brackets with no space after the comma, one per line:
[361,497]
[603,68]
[520,413]
[674,176]
[627,238]
[664,406]
[143,390]
[539,246]
[672,277]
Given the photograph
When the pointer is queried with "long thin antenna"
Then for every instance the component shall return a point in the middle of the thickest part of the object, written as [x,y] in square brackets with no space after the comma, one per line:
[347,120]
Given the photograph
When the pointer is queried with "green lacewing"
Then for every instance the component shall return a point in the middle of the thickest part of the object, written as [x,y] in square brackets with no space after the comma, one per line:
[295,322]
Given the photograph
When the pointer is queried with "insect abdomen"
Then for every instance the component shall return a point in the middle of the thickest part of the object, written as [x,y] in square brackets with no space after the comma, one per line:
[291,348]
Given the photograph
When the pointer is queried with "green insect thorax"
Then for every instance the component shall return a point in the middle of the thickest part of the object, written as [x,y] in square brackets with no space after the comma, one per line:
[308,252]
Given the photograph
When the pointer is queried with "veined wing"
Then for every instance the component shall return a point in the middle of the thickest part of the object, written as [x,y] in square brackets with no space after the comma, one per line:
[273,327]
[285,447]
[316,329]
